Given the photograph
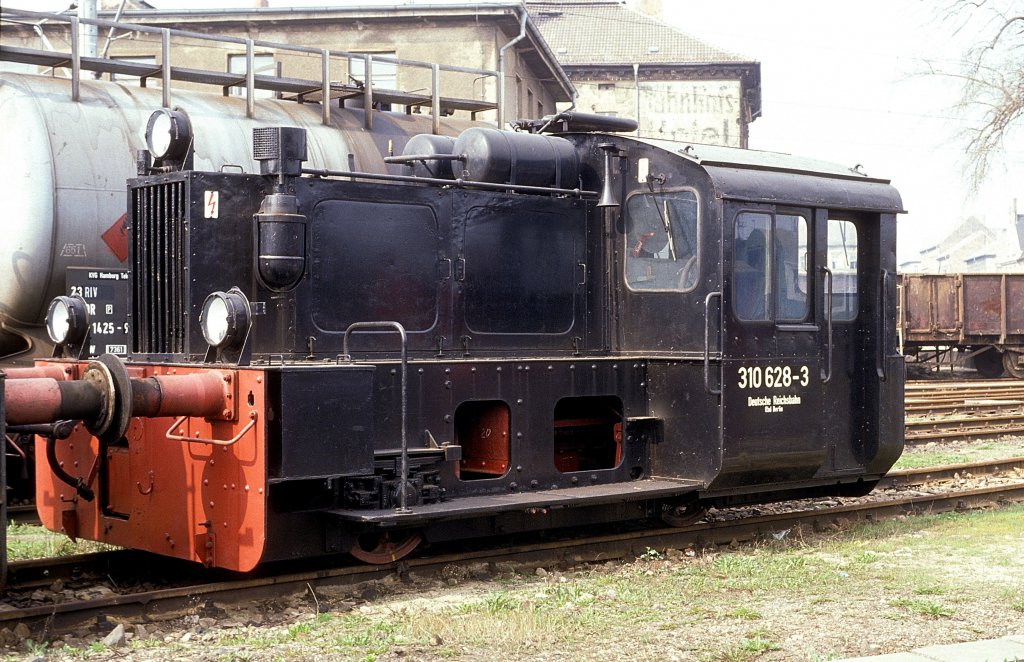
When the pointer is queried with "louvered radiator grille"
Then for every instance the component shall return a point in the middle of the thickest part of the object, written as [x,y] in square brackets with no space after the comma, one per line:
[158,268]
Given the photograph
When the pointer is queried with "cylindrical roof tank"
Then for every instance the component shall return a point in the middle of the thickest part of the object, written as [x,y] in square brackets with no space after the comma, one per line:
[64,166]
[427,144]
[527,159]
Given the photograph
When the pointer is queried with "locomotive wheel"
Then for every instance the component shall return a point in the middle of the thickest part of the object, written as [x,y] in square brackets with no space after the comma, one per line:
[989,363]
[684,514]
[1011,361]
[380,548]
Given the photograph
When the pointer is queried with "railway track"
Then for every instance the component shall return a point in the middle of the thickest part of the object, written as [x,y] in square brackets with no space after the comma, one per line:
[186,589]
[23,514]
[944,410]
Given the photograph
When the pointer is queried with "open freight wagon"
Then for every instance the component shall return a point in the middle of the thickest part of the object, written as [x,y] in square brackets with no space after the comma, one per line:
[981,316]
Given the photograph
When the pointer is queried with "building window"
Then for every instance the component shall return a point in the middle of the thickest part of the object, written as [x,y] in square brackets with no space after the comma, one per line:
[606,86]
[385,75]
[263,65]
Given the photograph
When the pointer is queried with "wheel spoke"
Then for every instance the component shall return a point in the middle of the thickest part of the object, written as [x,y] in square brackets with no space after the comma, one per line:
[384,549]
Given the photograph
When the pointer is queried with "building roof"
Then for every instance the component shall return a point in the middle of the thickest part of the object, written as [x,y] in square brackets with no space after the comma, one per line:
[594,32]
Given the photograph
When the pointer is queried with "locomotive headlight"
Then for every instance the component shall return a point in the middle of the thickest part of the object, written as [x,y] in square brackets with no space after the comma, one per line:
[67,320]
[225,318]
[168,134]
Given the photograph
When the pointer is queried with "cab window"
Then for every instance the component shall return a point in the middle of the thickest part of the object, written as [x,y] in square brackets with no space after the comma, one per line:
[842,260]
[661,241]
[770,267]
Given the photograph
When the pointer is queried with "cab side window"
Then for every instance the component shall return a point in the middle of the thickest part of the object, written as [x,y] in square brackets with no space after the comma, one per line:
[661,241]
[842,260]
[770,267]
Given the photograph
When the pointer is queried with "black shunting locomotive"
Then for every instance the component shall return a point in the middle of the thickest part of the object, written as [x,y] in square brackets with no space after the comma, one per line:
[557,326]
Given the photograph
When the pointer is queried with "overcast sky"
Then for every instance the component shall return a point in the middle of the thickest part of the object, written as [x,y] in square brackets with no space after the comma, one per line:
[848,82]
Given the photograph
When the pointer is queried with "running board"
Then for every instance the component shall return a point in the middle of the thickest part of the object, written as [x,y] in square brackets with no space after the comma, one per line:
[465,507]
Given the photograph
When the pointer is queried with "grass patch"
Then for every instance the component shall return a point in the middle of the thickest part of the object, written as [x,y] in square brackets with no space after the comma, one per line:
[745,614]
[920,457]
[34,542]
[903,578]
[931,459]
[750,647]
[924,607]
[765,571]
[932,589]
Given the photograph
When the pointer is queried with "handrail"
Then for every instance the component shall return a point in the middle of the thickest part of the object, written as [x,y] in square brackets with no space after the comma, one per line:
[311,50]
[707,341]
[215,442]
[395,326]
[882,295]
[76,62]
[322,86]
[826,372]
[458,183]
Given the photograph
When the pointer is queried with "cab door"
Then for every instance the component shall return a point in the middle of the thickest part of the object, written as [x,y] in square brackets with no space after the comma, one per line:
[773,406]
[864,375]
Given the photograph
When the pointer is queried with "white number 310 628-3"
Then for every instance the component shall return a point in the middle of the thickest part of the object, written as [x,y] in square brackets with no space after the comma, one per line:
[772,376]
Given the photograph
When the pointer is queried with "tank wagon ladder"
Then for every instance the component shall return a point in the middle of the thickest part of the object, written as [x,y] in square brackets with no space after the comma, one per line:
[299,90]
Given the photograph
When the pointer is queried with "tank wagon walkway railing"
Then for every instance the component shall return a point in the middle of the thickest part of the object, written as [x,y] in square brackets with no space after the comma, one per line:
[297,89]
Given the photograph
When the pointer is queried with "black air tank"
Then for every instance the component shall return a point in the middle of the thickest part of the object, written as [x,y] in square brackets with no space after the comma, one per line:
[426,144]
[527,159]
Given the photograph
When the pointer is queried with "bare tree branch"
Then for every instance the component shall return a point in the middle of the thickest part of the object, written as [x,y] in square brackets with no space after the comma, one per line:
[992,75]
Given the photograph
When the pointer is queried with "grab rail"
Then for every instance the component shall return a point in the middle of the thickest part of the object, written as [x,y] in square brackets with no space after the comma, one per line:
[215,442]
[880,368]
[394,326]
[707,341]
[826,372]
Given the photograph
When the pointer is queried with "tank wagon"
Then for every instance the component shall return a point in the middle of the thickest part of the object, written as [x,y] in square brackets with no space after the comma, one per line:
[979,314]
[553,327]
[67,210]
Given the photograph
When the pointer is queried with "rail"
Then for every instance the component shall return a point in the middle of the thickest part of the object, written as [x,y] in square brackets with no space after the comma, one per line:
[599,546]
[300,90]
[458,183]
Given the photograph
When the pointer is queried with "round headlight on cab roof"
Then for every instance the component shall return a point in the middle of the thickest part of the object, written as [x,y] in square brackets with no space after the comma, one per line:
[168,134]
[67,320]
[225,318]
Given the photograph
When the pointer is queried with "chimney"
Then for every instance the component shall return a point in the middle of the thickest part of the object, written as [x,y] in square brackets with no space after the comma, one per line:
[650,7]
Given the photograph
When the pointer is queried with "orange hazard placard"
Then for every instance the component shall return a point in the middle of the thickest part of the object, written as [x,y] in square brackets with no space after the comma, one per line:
[116,238]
